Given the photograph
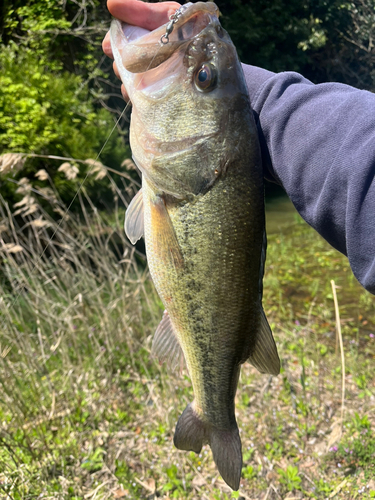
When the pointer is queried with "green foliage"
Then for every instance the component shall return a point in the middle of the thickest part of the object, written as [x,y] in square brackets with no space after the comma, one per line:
[348,54]
[290,477]
[358,449]
[32,17]
[323,487]
[325,41]
[250,472]
[45,111]
[362,383]
[94,461]
[174,484]
[48,104]
[40,109]
[57,29]
[268,34]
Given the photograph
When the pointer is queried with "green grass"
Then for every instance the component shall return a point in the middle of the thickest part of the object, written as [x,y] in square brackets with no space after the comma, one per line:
[85,412]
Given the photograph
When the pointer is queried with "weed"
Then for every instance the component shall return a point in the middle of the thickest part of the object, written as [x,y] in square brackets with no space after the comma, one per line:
[86,412]
[357,450]
[174,485]
[94,461]
[290,478]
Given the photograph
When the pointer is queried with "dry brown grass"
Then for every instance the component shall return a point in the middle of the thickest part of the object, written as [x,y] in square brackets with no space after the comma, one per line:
[86,413]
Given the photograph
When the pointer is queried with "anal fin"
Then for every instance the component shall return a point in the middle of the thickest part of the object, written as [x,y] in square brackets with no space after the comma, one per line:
[134,219]
[166,346]
[264,356]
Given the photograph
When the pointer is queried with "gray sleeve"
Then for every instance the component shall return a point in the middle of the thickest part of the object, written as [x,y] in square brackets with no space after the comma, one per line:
[318,142]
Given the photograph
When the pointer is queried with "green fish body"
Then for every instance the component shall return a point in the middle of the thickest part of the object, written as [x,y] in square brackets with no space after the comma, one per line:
[201,211]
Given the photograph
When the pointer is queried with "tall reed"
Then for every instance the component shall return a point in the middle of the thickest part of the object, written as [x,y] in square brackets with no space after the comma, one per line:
[75,305]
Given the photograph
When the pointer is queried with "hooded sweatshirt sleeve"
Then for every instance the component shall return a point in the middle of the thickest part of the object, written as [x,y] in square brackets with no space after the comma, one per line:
[318,142]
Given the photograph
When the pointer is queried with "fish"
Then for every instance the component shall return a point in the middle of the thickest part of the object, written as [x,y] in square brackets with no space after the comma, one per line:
[201,212]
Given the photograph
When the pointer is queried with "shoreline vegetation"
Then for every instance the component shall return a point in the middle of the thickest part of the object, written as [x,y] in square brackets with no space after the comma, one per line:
[87,413]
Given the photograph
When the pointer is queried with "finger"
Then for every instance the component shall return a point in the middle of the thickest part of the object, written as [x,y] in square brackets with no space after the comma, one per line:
[124,93]
[146,15]
[117,73]
[106,46]
[123,90]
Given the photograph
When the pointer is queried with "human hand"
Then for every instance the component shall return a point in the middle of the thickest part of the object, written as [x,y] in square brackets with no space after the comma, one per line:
[145,15]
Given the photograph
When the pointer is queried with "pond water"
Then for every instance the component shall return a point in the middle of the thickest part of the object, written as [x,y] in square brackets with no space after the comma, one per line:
[301,265]
[280,214]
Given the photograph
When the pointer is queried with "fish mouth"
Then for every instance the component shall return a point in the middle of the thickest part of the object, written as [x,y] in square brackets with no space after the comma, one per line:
[141,50]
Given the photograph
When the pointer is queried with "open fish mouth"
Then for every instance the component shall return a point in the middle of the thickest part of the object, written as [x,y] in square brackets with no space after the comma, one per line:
[141,50]
[155,65]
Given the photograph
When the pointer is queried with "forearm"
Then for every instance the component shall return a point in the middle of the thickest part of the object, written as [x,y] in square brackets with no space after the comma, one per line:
[318,141]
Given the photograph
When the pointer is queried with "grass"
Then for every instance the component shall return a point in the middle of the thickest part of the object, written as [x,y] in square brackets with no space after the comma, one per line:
[86,413]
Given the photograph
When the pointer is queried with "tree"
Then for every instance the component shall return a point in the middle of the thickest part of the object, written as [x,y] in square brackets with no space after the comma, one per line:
[51,93]
[348,54]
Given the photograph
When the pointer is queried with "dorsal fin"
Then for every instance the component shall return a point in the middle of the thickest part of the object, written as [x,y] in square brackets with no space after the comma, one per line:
[134,219]
[166,346]
[264,356]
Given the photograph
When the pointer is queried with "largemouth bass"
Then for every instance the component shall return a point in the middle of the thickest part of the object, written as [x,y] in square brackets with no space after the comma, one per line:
[201,211]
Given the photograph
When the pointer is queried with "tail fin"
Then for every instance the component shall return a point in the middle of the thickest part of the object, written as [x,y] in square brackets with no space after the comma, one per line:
[192,432]
[226,450]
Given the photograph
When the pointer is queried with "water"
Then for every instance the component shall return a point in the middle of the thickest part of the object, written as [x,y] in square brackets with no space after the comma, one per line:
[304,265]
[280,214]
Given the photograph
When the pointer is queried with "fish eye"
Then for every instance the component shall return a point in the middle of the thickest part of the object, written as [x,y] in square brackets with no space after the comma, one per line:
[205,78]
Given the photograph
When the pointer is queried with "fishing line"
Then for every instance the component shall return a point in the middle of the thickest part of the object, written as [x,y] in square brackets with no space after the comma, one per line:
[13,302]
[80,187]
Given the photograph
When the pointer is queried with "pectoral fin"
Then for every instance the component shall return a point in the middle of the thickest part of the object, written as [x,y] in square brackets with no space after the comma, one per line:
[166,244]
[264,356]
[134,219]
[166,346]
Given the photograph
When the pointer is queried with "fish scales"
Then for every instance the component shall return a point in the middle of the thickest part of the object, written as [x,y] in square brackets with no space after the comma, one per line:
[169,114]
[201,211]
[209,298]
